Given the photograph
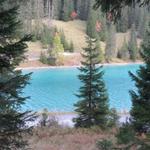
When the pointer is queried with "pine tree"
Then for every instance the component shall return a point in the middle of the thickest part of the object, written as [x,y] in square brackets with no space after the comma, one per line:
[115,7]
[140,112]
[110,50]
[122,23]
[58,46]
[64,41]
[99,51]
[57,51]
[12,118]
[143,23]
[133,44]
[123,53]
[61,13]
[84,9]
[91,24]
[68,8]
[92,107]
[102,33]
[71,47]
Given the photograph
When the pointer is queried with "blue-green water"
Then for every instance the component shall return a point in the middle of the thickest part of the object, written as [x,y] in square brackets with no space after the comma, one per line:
[54,89]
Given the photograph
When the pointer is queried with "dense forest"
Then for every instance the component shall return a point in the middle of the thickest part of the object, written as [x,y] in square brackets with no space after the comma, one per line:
[94,118]
[134,19]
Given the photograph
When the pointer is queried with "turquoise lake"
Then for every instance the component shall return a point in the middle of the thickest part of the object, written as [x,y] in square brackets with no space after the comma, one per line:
[55,89]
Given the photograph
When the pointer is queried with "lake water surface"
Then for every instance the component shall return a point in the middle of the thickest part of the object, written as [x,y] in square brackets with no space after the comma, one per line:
[54,89]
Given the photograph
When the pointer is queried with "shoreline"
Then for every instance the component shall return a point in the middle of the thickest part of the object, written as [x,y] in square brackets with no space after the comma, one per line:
[65,119]
[75,66]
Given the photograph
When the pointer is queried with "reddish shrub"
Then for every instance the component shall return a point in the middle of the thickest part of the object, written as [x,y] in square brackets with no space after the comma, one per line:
[73,15]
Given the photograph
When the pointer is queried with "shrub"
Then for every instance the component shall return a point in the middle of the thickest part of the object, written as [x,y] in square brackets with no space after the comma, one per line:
[52,122]
[51,61]
[71,47]
[43,58]
[64,41]
[123,52]
[126,134]
[44,118]
[104,145]
[47,36]
[113,118]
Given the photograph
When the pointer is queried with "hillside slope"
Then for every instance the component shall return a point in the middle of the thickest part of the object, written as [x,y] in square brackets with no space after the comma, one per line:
[74,31]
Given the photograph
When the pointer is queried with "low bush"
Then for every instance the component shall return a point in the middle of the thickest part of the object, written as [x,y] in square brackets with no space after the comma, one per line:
[43,58]
[113,118]
[126,134]
[104,145]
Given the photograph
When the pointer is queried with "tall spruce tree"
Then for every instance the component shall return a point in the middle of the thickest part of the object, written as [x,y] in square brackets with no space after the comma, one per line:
[92,107]
[110,50]
[91,24]
[12,118]
[140,111]
[133,49]
[123,52]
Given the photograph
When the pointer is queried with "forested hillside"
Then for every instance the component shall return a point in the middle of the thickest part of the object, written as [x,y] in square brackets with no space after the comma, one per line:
[61,23]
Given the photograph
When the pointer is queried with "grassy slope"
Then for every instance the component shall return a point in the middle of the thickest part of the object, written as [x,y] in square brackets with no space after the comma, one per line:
[74,31]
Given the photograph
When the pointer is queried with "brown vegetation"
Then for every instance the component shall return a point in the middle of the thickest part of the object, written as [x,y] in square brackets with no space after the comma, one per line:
[57,138]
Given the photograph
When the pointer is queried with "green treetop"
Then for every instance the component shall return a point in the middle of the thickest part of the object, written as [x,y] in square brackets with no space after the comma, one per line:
[140,112]
[92,107]
[13,120]
[133,49]
[57,45]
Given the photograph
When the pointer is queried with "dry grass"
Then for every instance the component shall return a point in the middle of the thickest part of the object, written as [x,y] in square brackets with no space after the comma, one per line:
[74,31]
[67,139]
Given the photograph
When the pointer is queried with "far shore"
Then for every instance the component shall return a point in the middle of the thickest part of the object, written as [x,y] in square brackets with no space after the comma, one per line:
[65,119]
[75,66]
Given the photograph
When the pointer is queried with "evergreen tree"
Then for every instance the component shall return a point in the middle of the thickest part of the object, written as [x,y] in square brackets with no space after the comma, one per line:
[61,13]
[99,51]
[96,24]
[123,53]
[57,51]
[58,46]
[110,50]
[12,118]
[64,41]
[92,107]
[143,23]
[102,33]
[115,7]
[84,9]
[140,112]
[71,47]
[122,23]
[133,44]
[91,24]
[68,8]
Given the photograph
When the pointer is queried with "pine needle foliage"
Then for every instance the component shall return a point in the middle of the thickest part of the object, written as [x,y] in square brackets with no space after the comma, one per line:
[140,111]
[92,107]
[13,120]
